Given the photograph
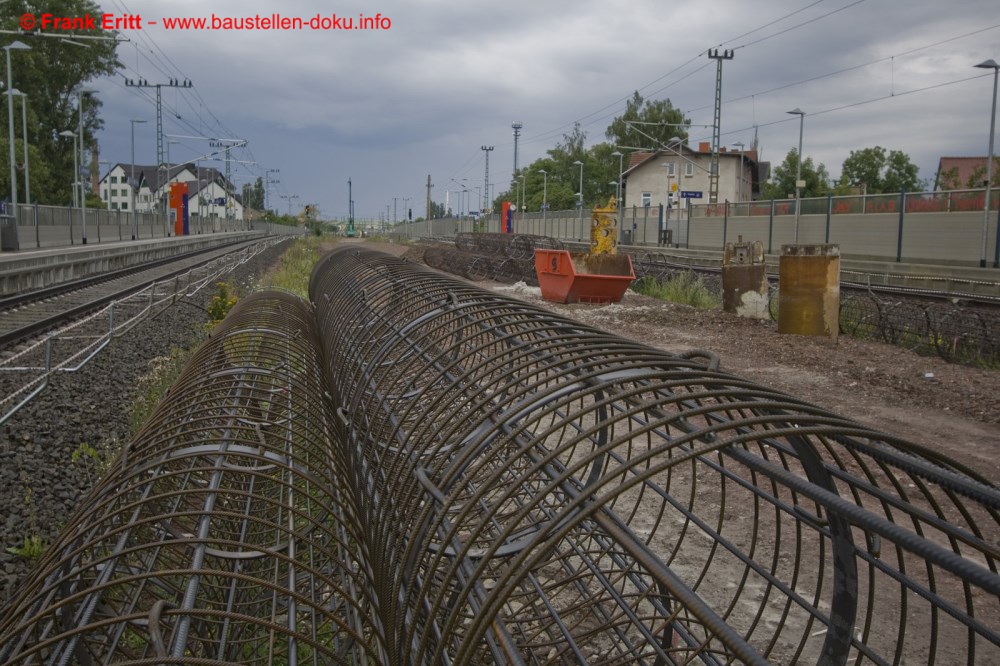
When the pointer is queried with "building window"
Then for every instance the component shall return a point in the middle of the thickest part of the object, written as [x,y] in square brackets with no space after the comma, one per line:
[688,169]
[114,179]
[647,198]
[114,205]
[124,205]
[104,194]
[670,168]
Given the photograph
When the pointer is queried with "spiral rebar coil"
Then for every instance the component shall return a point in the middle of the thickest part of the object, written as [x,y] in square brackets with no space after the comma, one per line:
[537,491]
[225,533]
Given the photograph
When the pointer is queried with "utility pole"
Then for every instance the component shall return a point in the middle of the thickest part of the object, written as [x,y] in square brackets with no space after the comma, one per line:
[429,186]
[486,180]
[713,176]
[267,187]
[350,209]
[227,144]
[143,83]
[517,125]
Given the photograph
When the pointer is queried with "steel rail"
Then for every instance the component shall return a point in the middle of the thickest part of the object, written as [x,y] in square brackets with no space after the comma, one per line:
[141,278]
[23,298]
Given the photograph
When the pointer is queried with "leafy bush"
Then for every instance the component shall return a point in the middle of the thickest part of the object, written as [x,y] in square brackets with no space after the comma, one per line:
[686,288]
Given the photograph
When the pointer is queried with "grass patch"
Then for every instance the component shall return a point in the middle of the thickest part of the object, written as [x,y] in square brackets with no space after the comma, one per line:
[686,288]
[34,545]
[153,385]
[295,266]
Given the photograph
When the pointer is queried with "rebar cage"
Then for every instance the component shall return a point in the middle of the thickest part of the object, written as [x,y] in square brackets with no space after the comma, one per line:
[418,471]
[540,491]
[224,533]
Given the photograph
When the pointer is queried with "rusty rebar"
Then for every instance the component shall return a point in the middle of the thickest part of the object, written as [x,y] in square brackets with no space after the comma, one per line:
[224,533]
[449,476]
[540,491]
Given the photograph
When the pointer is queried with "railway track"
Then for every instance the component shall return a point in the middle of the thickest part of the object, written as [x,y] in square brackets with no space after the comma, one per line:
[30,314]
[50,333]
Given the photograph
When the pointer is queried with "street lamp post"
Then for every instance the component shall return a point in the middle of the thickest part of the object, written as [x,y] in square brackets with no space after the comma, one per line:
[524,197]
[621,158]
[76,174]
[580,194]
[20,46]
[798,171]
[545,195]
[83,182]
[739,172]
[24,142]
[990,64]
[132,183]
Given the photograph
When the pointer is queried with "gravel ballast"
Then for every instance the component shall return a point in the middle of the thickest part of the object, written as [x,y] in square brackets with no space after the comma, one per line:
[89,408]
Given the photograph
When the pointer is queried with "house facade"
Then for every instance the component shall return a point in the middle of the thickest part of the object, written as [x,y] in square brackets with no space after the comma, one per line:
[207,191]
[684,173]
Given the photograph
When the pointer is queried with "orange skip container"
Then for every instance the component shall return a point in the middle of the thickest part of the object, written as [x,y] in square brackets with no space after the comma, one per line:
[583,278]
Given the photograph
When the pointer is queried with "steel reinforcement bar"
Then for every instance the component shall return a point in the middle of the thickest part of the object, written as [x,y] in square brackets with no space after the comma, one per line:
[537,491]
[485,482]
[225,533]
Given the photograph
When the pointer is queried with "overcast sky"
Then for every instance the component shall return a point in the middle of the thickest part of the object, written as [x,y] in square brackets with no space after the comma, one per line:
[388,107]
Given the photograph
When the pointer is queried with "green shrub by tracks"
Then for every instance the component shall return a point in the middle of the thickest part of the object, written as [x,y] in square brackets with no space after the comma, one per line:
[686,288]
[295,266]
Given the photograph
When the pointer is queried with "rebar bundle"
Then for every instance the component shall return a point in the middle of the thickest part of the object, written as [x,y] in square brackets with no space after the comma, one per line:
[537,491]
[224,534]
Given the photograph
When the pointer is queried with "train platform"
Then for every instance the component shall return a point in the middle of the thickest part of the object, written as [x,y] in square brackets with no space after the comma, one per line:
[21,270]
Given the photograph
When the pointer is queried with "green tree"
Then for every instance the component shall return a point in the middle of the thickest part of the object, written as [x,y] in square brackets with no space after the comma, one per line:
[253,195]
[782,184]
[656,122]
[879,171]
[49,74]
[562,175]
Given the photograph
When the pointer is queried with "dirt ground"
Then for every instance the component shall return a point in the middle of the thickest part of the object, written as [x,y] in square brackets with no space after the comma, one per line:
[949,408]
